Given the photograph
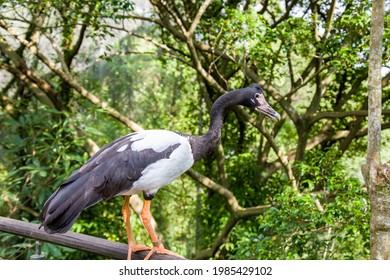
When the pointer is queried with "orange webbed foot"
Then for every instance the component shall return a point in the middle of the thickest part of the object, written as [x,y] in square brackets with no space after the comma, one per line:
[136,248]
[158,248]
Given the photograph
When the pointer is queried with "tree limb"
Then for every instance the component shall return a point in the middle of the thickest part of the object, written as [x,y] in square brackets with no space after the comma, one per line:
[281,156]
[27,75]
[77,241]
[236,212]
[72,82]
[229,197]
[330,115]
[197,18]
[286,14]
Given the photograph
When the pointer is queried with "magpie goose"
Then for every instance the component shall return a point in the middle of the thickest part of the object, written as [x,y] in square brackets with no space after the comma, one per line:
[142,163]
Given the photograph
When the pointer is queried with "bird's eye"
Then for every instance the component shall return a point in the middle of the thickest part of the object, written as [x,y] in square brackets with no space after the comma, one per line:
[257,95]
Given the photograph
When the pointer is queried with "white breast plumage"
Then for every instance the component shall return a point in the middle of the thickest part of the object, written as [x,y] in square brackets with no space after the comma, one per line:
[163,171]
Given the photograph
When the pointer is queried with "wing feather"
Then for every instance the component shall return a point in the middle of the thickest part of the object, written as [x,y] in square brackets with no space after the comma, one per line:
[113,170]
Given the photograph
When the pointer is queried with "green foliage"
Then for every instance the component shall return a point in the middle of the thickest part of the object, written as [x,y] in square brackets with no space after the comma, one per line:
[247,181]
[38,153]
[330,223]
[40,148]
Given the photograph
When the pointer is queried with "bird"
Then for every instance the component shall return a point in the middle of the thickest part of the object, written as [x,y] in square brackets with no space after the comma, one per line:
[142,162]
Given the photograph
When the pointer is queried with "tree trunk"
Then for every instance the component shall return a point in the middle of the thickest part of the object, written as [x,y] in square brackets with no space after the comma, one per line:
[377,175]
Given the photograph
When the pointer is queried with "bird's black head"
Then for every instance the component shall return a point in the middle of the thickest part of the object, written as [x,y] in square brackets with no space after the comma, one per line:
[253,98]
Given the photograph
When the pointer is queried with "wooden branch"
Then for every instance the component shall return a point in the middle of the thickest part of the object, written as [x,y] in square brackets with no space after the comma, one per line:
[29,76]
[74,50]
[233,219]
[170,51]
[295,86]
[236,213]
[329,115]
[286,14]
[197,18]
[195,46]
[71,80]
[281,156]
[329,19]
[200,69]
[18,206]
[321,86]
[229,197]
[37,85]
[210,252]
[334,136]
[235,208]
[314,9]
[167,11]
[276,95]
[95,245]
[344,98]
[220,157]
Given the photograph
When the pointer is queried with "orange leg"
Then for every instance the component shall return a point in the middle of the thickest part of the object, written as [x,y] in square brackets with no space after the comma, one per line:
[158,247]
[126,212]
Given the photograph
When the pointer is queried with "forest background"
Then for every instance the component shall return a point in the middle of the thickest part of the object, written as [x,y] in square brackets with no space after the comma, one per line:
[75,75]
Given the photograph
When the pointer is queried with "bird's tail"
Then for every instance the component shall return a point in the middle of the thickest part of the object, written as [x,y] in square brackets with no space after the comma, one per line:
[65,205]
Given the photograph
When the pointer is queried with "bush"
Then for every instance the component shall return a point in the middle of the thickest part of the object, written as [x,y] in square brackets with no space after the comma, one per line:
[327,218]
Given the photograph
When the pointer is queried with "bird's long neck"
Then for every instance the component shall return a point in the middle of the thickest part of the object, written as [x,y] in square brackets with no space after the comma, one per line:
[204,145]
[217,115]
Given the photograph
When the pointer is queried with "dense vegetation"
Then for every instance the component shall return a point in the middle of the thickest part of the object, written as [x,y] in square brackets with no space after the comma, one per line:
[77,74]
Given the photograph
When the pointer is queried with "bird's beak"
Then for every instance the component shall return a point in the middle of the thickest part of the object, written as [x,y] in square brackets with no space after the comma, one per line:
[266,109]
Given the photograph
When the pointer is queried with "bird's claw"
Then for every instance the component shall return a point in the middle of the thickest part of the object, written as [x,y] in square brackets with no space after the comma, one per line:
[140,247]
[136,248]
[159,249]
